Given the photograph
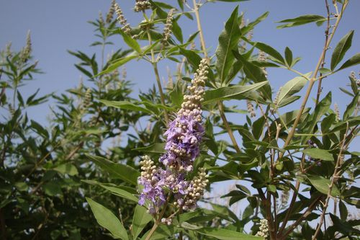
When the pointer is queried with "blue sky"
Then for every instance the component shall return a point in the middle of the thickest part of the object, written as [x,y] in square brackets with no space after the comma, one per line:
[58,26]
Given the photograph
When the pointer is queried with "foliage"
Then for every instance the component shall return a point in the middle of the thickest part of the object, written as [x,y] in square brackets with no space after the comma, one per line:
[63,180]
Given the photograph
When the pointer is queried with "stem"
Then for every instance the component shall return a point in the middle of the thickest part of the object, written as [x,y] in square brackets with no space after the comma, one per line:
[220,104]
[158,81]
[323,61]
[287,216]
[153,229]
[313,78]
[304,216]
[227,127]
[201,32]
[334,178]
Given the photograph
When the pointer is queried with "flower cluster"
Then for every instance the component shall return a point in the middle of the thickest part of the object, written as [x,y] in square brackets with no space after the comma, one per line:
[142,5]
[168,26]
[121,18]
[264,229]
[185,132]
[183,139]
[110,15]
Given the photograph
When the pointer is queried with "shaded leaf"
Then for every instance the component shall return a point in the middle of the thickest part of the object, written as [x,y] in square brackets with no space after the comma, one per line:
[116,170]
[317,153]
[322,185]
[140,220]
[225,234]
[108,220]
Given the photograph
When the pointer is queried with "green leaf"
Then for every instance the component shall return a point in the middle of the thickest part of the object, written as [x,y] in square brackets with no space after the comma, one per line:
[52,189]
[225,234]
[319,111]
[228,41]
[290,88]
[176,29]
[67,168]
[340,49]
[120,192]
[192,57]
[125,105]
[288,56]
[233,92]
[251,25]
[351,107]
[269,50]
[322,185]
[113,66]
[153,148]
[140,220]
[354,60]
[301,20]
[108,220]
[116,170]
[254,73]
[343,210]
[131,42]
[317,153]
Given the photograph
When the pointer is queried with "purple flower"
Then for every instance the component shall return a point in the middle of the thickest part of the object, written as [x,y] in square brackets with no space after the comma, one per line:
[183,138]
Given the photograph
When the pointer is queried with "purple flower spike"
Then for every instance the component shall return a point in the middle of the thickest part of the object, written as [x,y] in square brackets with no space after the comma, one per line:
[183,138]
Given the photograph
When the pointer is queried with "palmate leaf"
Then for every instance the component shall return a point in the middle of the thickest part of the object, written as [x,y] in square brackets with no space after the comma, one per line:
[108,220]
[340,49]
[228,41]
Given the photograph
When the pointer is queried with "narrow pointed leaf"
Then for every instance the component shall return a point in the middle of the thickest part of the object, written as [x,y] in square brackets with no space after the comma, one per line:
[269,50]
[290,88]
[118,63]
[131,42]
[108,220]
[340,49]
[225,234]
[301,20]
[317,153]
[228,41]
[125,105]
[322,185]
[354,60]
[233,92]
[288,56]
[140,220]
[116,170]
